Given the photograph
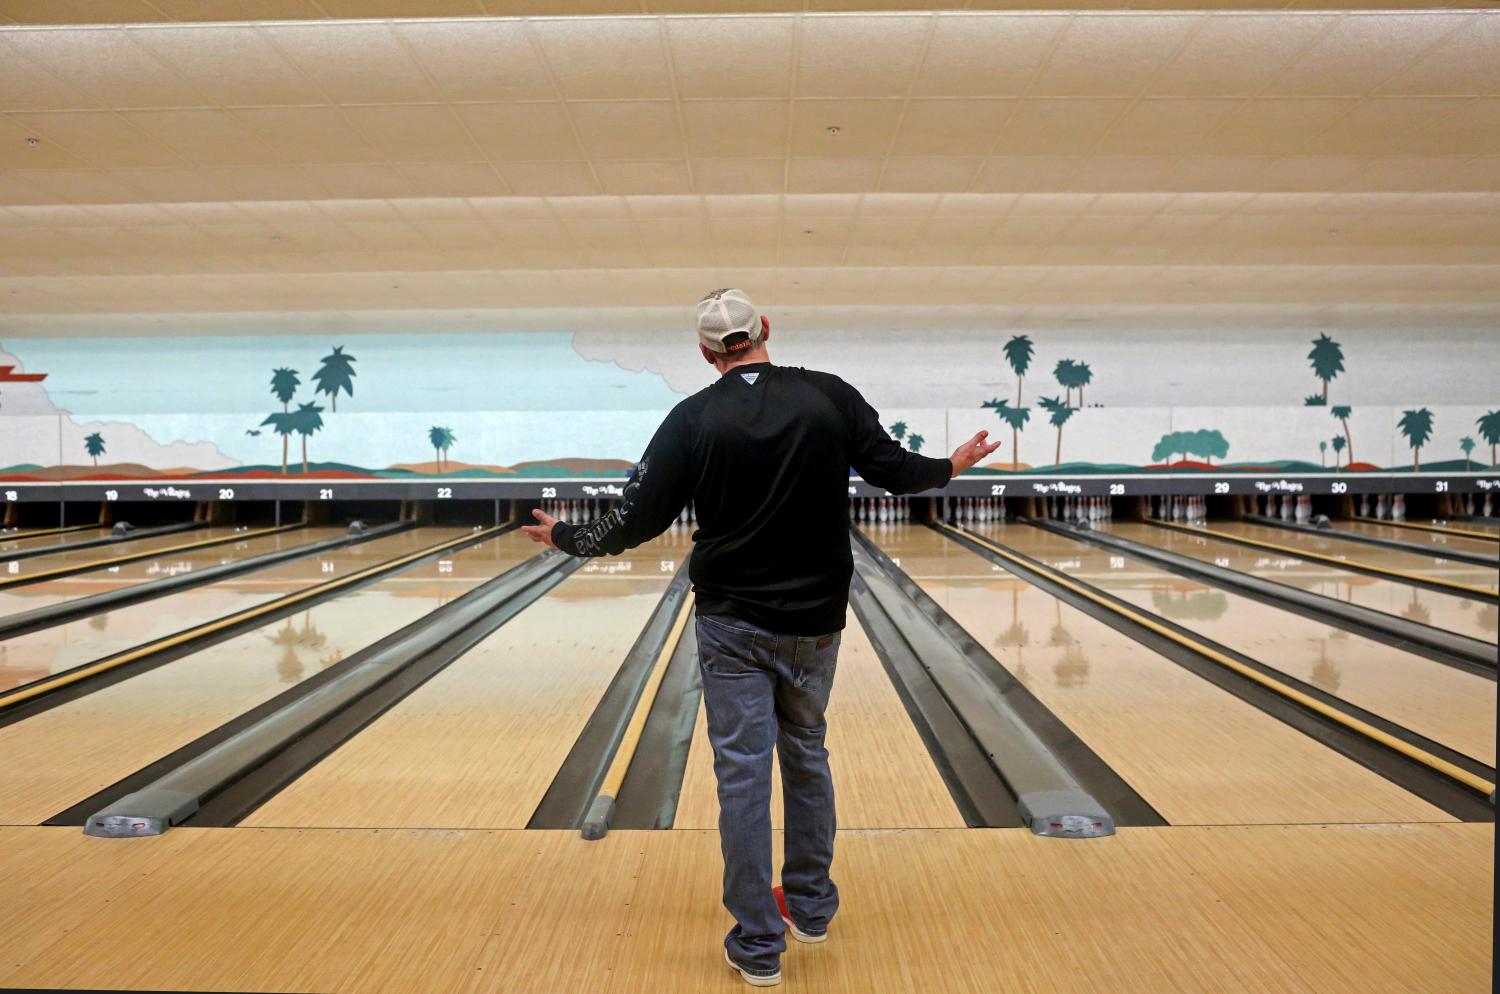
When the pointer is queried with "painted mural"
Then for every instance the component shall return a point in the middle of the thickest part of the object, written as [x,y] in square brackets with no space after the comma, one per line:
[515,405]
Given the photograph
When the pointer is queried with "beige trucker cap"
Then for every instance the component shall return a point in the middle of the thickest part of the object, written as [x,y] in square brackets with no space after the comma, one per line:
[728,321]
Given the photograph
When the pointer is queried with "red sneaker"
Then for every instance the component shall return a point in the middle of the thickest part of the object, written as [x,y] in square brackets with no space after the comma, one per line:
[800,935]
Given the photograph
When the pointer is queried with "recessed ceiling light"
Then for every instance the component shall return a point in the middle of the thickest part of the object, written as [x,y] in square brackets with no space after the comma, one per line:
[33,142]
[833,129]
[807,231]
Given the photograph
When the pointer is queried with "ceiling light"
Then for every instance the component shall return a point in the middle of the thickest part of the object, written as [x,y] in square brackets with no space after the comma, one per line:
[833,129]
[33,142]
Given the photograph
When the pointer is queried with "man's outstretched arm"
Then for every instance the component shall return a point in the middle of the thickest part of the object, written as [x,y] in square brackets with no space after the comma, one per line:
[655,494]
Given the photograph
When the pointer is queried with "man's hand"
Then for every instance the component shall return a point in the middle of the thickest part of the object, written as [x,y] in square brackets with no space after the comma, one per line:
[543,532]
[968,454]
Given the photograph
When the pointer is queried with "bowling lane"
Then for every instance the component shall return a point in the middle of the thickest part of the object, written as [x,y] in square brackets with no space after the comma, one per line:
[1445,704]
[1419,536]
[883,776]
[60,647]
[25,543]
[478,745]
[47,592]
[62,756]
[1198,754]
[102,554]
[1432,567]
[1462,615]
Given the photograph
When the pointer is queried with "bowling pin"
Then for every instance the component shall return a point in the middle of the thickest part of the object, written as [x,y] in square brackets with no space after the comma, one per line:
[1469,505]
[1000,508]
[1398,508]
[1380,506]
[1487,506]
[1364,505]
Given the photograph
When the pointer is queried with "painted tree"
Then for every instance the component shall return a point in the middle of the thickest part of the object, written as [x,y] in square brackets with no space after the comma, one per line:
[442,440]
[915,443]
[1467,444]
[1060,413]
[283,423]
[1323,454]
[1342,412]
[1327,360]
[1208,443]
[1083,376]
[306,420]
[1417,427]
[1016,417]
[94,446]
[1314,400]
[898,430]
[284,384]
[1018,352]
[1489,430]
[1065,372]
[1338,447]
[336,373]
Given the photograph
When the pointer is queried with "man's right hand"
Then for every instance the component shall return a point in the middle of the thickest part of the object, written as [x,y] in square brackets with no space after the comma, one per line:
[968,455]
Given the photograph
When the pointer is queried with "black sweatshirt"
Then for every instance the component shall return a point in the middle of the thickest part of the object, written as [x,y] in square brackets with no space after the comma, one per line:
[764,455]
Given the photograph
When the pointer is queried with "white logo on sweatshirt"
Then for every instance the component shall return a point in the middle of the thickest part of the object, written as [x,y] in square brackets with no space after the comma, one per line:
[749,377]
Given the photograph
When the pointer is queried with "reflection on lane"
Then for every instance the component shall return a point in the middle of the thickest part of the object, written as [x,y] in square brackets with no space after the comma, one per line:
[1462,615]
[1421,536]
[1447,705]
[1432,567]
[1199,755]
[47,592]
[61,756]
[101,554]
[61,647]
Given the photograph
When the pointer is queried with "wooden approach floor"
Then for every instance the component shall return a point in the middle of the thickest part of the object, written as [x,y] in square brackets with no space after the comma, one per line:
[1307,908]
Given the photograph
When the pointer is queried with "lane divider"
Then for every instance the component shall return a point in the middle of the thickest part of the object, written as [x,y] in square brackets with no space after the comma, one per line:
[48,685]
[1462,532]
[1469,780]
[602,808]
[1448,586]
[130,557]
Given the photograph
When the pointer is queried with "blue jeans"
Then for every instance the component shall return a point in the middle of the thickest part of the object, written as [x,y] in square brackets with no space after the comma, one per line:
[762,690]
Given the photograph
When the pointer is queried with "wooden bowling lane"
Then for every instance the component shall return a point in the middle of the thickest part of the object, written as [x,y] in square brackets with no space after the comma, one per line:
[48,592]
[1422,536]
[1432,567]
[478,744]
[1197,754]
[883,776]
[102,554]
[1462,615]
[1445,704]
[63,756]
[46,539]
[60,647]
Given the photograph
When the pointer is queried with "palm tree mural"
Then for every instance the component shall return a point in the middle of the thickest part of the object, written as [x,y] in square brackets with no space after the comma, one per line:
[898,430]
[284,384]
[1323,454]
[1083,376]
[1467,444]
[1327,360]
[336,373]
[442,440]
[1417,427]
[1016,417]
[283,423]
[1342,412]
[1018,353]
[1489,430]
[1338,447]
[306,420]
[1065,372]
[94,446]
[915,443]
[1060,414]
[1314,400]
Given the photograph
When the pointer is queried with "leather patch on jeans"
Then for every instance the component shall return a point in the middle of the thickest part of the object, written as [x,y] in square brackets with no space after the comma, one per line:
[824,642]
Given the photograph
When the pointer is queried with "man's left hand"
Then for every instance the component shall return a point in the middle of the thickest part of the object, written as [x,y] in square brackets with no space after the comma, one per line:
[541,532]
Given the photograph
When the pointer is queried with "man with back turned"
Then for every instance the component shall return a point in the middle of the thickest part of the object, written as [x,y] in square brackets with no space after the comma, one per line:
[764,455]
